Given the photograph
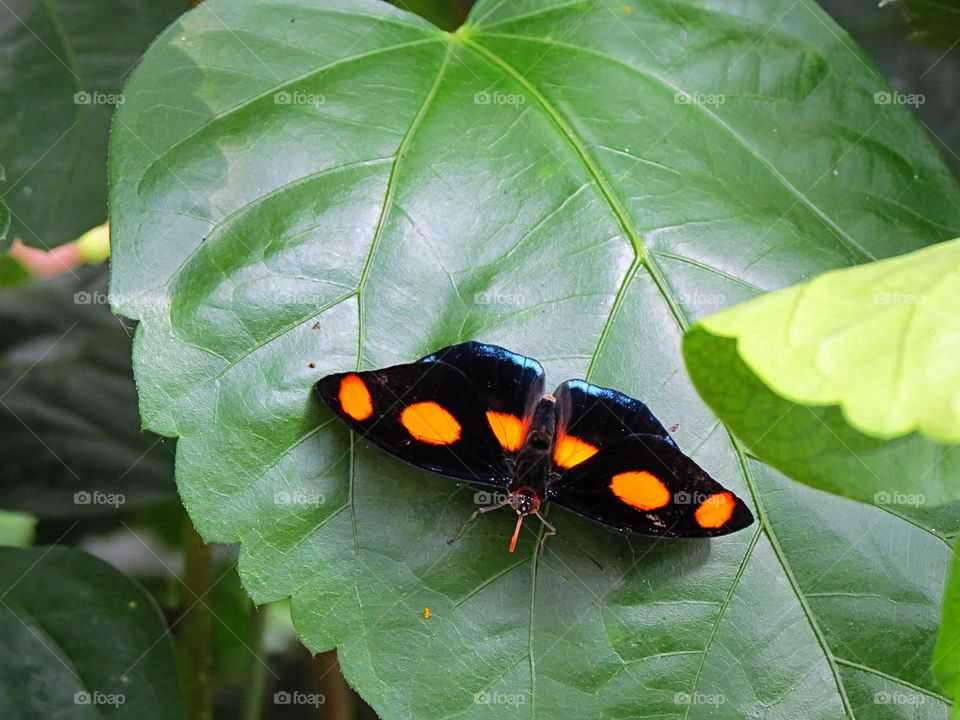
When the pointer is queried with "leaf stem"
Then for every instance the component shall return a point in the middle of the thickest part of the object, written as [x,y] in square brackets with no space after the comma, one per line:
[196,638]
[330,682]
[253,703]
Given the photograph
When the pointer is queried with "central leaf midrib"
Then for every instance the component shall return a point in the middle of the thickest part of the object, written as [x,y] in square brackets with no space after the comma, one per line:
[641,256]
[389,194]
[361,285]
[791,579]
[571,137]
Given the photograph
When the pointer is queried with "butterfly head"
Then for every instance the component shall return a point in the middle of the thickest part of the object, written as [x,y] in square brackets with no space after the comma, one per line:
[525,501]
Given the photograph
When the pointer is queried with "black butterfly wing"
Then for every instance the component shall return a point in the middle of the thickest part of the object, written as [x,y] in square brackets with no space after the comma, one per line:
[435,413]
[506,381]
[597,414]
[590,416]
[645,485]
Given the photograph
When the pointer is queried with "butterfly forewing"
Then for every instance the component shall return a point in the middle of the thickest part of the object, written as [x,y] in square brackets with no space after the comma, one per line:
[450,412]
[644,484]
[509,386]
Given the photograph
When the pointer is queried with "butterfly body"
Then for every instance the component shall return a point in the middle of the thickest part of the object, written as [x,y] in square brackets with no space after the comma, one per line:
[532,466]
[479,413]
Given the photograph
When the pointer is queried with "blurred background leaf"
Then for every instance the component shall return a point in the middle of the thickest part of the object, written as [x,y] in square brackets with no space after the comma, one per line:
[935,22]
[70,438]
[80,640]
[62,65]
[4,218]
[16,529]
[912,68]
[445,14]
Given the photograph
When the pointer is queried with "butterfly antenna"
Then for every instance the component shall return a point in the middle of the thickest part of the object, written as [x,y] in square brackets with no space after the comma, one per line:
[516,533]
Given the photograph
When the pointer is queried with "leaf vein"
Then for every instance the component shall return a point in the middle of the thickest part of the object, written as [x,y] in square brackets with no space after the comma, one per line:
[224,114]
[720,122]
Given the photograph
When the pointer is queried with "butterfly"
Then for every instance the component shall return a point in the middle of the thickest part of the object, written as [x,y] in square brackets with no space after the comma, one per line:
[479,413]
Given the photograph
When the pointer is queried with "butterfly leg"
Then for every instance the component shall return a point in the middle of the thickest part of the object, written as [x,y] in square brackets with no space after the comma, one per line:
[551,530]
[473,516]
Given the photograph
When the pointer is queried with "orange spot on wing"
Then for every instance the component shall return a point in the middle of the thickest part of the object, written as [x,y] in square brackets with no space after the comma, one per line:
[430,423]
[426,613]
[570,451]
[508,429]
[715,510]
[640,489]
[355,398]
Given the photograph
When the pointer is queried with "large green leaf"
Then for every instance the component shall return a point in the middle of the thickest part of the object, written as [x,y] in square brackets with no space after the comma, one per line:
[62,65]
[80,640]
[848,382]
[70,438]
[304,187]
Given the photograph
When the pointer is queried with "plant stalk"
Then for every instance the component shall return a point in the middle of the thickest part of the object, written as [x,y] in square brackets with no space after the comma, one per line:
[196,636]
[253,703]
[330,682]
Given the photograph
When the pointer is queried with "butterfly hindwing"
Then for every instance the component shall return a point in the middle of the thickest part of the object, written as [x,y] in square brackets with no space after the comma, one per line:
[590,416]
[645,485]
[434,413]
